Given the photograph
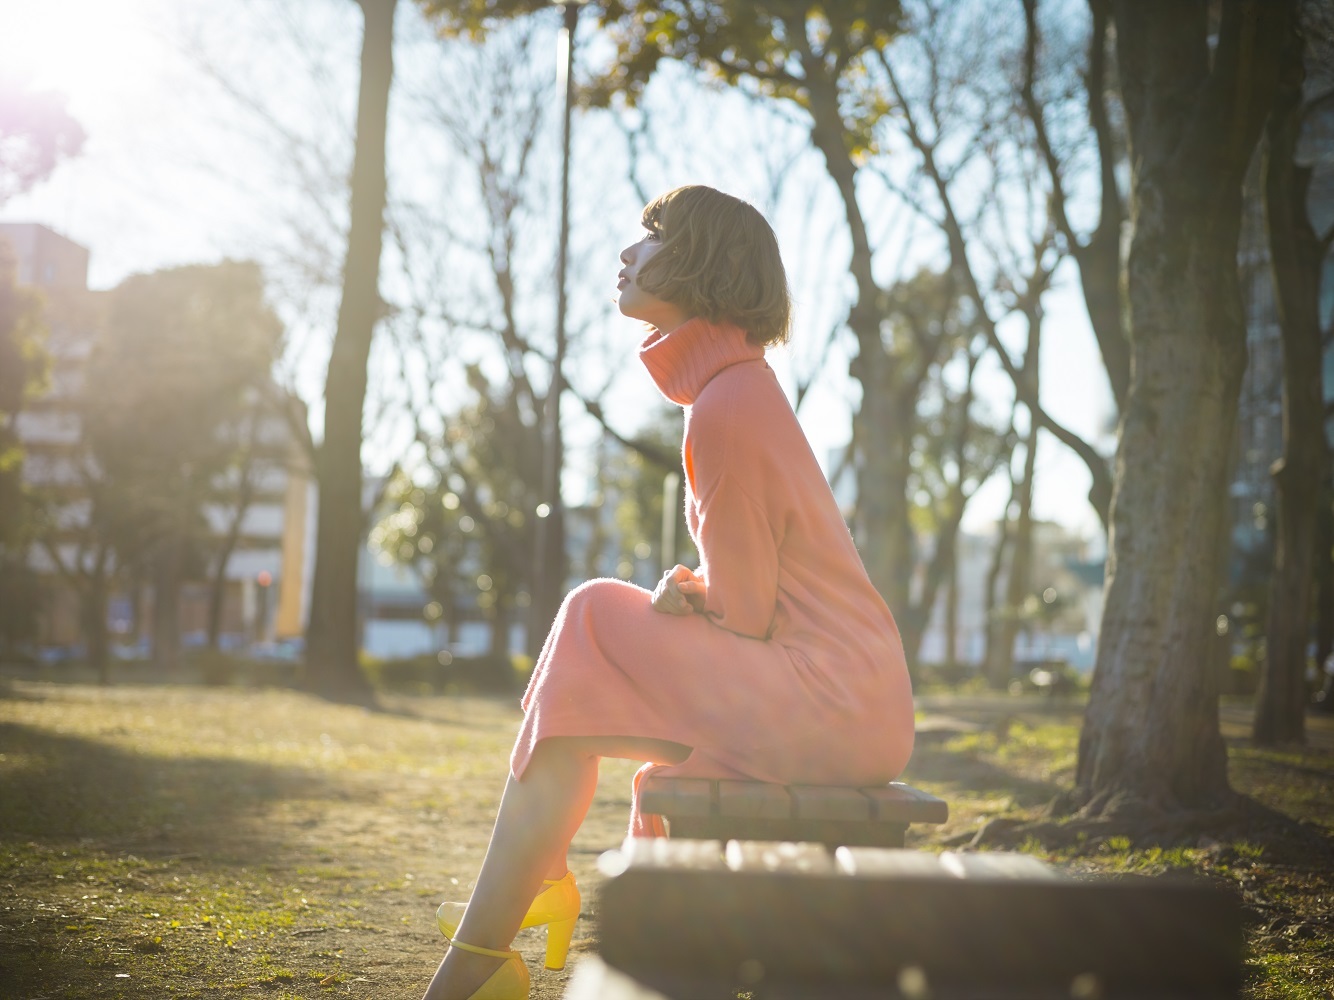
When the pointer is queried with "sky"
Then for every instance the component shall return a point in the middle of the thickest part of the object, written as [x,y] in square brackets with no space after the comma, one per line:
[175,172]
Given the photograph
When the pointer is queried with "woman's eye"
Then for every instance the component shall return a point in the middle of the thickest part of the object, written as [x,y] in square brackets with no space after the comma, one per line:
[652,236]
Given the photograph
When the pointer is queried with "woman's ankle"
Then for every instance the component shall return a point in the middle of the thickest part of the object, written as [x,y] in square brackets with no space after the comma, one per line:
[461,974]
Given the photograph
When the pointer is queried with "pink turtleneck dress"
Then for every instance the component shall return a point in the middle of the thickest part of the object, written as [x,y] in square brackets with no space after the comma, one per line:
[794,672]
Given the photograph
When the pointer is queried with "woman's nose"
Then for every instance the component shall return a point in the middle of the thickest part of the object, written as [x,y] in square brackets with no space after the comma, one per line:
[625,255]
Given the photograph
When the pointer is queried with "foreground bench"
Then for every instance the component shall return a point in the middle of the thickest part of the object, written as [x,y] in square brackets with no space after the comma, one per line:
[873,816]
[696,920]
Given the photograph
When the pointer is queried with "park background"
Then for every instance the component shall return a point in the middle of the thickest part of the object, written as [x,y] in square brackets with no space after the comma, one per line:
[204,268]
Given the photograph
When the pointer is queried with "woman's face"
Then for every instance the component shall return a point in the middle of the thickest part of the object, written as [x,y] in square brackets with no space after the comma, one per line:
[634,301]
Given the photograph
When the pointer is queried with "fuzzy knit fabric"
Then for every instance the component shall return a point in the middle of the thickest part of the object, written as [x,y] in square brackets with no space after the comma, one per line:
[794,672]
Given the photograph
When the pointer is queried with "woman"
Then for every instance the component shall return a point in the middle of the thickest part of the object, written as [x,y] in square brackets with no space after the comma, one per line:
[774,660]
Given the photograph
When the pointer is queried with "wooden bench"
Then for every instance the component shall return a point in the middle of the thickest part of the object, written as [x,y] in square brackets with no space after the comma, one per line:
[874,816]
[699,920]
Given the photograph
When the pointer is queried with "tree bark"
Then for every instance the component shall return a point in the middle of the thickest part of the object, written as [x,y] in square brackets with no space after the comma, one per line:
[885,536]
[331,641]
[1005,626]
[1150,741]
[1296,258]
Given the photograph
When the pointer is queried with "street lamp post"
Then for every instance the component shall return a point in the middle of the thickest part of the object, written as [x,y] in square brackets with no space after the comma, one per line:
[551,515]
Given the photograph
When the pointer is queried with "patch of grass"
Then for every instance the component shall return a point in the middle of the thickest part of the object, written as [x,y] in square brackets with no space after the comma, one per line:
[1278,976]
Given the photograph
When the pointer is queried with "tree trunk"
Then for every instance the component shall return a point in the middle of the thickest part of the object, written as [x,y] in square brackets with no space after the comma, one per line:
[884,529]
[1000,651]
[1297,258]
[244,494]
[1324,575]
[166,655]
[884,533]
[1194,107]
[93,597]
[331,647]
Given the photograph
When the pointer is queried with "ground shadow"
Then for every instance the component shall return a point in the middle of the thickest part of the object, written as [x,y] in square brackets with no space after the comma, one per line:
[59,789]
[932,763]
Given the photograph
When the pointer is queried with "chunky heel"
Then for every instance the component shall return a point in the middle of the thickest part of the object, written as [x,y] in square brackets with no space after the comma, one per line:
[559,933]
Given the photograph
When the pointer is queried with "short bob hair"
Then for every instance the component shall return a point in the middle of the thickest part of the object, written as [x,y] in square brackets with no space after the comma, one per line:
[719,260]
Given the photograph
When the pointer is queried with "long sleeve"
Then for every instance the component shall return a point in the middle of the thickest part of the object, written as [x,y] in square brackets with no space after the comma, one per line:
[739,560]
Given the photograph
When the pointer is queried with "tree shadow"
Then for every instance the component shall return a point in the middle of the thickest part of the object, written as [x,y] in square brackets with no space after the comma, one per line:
[934,764]
[60,789]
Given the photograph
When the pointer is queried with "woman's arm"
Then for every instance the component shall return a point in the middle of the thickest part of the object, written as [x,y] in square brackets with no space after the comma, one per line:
[738,548]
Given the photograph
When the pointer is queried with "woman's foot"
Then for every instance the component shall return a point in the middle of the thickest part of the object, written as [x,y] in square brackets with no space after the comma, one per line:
[483,974]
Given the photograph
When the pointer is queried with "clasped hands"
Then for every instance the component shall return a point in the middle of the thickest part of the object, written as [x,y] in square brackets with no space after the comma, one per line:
[679,592]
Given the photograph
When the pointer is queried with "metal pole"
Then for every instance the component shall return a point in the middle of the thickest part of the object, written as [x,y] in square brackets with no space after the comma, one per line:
[547,562]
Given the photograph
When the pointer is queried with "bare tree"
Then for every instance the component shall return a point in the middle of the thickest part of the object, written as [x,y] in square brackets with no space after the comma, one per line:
[331,639]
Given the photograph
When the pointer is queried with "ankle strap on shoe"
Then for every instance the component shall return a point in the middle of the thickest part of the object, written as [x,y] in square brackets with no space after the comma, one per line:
[456,943]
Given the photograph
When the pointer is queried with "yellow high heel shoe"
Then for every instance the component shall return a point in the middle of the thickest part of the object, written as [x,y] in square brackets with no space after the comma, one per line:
[509,982]
[557,906]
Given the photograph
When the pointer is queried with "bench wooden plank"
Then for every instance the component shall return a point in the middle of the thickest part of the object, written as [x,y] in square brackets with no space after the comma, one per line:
[688,933]
[900,803]
[678,796]
[752,810]
[753,800]
[777,856]
[667,852]
[872,862]
[829,802]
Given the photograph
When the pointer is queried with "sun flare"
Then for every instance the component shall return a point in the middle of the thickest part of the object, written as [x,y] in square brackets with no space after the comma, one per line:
[93,51]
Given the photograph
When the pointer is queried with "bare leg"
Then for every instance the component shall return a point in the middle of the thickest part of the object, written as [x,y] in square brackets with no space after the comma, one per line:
[537,819]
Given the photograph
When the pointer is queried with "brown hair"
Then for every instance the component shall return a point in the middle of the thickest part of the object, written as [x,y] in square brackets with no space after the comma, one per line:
[719,260]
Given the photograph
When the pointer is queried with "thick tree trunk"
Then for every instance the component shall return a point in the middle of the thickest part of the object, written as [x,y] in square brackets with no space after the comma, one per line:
[1324,616]
[1297,259]
[331,642]
[884,529]
[1194,108]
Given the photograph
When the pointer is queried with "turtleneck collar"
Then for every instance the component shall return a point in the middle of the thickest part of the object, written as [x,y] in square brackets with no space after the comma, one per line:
[683,361]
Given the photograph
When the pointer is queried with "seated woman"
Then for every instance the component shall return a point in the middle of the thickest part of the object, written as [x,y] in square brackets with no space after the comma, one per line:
[775,660]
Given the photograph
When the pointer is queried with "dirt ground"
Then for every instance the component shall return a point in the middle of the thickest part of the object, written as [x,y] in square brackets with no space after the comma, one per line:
[160,841]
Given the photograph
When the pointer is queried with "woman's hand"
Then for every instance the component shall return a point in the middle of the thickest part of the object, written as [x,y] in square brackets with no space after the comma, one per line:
[679,592]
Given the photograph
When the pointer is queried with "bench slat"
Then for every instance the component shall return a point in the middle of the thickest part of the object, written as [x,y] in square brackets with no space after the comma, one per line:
[900,803]
[753,800]
[777,856]
[677,796]
[829,802]
[668,852]
[870,862]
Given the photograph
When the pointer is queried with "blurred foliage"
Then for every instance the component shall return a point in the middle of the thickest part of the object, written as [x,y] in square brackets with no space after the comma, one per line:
[23,368]
[36,132]
[178,358]
[782,48]
[466,520]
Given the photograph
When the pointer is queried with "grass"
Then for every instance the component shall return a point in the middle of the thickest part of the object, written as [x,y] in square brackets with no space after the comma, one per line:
[191,842]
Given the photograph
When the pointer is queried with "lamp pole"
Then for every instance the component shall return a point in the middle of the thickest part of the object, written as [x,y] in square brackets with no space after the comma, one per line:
[550,556]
